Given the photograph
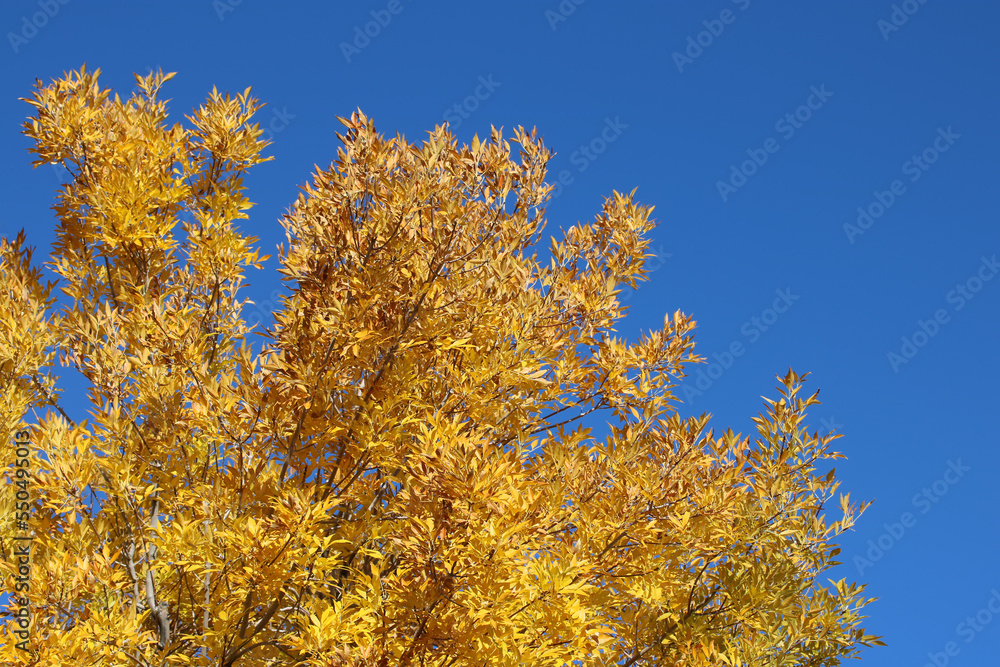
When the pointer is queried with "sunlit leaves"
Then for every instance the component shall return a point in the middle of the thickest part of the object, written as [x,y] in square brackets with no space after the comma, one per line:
[401,474]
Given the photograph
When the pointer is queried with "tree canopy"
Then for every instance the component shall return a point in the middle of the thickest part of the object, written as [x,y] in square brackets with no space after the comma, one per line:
[399,470]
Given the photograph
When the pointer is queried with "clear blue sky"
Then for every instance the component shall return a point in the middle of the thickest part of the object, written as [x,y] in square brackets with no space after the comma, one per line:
[900,112]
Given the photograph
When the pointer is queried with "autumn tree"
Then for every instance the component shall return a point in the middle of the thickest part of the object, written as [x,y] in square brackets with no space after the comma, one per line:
[399,470]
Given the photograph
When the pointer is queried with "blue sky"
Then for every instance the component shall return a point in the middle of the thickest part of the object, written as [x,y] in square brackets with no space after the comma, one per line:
[758,130]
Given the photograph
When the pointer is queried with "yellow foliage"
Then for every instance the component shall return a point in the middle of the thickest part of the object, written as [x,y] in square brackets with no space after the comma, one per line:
[400,475]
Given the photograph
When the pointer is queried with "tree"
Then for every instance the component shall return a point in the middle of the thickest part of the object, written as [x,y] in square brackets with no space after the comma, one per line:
[401,474]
